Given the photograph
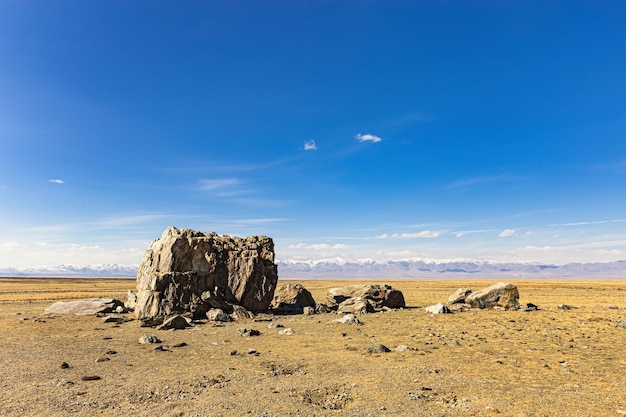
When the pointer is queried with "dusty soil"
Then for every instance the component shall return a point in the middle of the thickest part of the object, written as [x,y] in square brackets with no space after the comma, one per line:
[550,362]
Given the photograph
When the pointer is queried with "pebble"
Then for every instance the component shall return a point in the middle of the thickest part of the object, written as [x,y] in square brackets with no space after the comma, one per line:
[65,365]
[90,378]
[149,339]
[104,359]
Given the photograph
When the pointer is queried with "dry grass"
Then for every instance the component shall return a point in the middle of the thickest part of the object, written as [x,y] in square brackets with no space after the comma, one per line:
[546,363]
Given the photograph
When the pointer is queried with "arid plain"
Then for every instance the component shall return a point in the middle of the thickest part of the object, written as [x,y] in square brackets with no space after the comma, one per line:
[551,362]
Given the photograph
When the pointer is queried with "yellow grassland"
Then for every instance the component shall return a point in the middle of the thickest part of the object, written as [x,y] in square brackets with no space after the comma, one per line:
[551,362]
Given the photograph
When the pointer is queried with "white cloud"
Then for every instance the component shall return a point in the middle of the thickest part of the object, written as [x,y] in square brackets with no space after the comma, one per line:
[459,234]
[310,145]
[215,184]
[318,246]
[507,233]
[340,246]
[368,138]
[57,181]
[424,234]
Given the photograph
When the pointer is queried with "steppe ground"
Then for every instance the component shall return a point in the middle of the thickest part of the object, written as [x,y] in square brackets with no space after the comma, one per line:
[550,362]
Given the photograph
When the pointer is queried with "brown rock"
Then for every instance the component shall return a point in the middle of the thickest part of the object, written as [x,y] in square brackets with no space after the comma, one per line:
[377,296]
[291,299]
[190,271]
[502,295]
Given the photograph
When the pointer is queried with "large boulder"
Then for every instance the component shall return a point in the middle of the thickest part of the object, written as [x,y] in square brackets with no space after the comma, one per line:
[459,296]
[502,295]
[291,299]
[187,271]
[86,307]
[375,295]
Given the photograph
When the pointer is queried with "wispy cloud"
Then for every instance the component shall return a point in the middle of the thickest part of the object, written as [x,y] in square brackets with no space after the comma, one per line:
[590,223]
[486,180]
[368,138]
[424,234]
[507,233]
[56,181]
[310,145]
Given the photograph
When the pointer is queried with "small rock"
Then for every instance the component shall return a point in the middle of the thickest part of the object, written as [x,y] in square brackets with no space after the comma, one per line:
[274,325]
[176,322]
[438,308]
[308,310]
[90,378]
[65,365]
[110,352]
[349,319]
[181,344]
[252,352]
[566,307]
[149,339]
[216,314]
[612,307]
[111,319]
[286,332]
[454,343]
[403,348]
[233,353]
[103,359]
[621,324]
[249,332]
[378,348]
[162,349]
[119,309]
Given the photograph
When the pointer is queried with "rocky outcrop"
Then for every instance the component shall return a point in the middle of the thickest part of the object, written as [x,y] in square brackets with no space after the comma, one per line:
[292,299]
[438,308]
[502,295]
[187,271]
[364,298]
[86,307]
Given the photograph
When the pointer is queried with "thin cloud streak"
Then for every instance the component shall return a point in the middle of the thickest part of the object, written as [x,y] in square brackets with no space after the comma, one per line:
[486,180]
[56,181]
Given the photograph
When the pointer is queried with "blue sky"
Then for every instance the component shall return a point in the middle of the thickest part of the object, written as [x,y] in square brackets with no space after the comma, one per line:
[353,129]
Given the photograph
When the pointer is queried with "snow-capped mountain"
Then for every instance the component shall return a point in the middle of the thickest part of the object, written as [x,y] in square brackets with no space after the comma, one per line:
[339,268]
[367,268]
[103,270]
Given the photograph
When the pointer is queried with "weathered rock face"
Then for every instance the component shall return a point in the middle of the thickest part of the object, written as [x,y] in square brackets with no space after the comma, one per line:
[503,295]
[291,299]
[375,296]
[190,271]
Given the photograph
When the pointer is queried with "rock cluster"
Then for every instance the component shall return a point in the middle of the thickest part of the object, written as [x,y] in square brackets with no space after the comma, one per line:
[501,296]
[364,298]
[187,271]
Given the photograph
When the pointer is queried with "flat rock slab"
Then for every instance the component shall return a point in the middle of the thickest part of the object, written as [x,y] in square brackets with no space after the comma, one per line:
[85,307]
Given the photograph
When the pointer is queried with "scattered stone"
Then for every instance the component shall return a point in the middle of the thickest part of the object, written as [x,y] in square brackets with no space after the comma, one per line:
[308,311]
[85,307]
[176,322]
[183,264]
[181,344]
[438,308]
[274,325]
[113,319]
[322,309]
[286,332]
[566,307]
[621,324]
[503,295]
[65,365]
[252,352]
[119,309]
[612,307]
[459,296]
[111,352]
[454,343]
[233,353]
[240,313]
[64,383]
[292,299]
[162,349]
[529,307]
[90,378]
[378,348]
[149,339]
[103,359]
[248,332]
[349,319]
[403,348]
[216,314]
[377,296]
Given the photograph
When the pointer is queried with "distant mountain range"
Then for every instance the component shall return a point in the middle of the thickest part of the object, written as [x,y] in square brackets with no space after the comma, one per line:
[341,268]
